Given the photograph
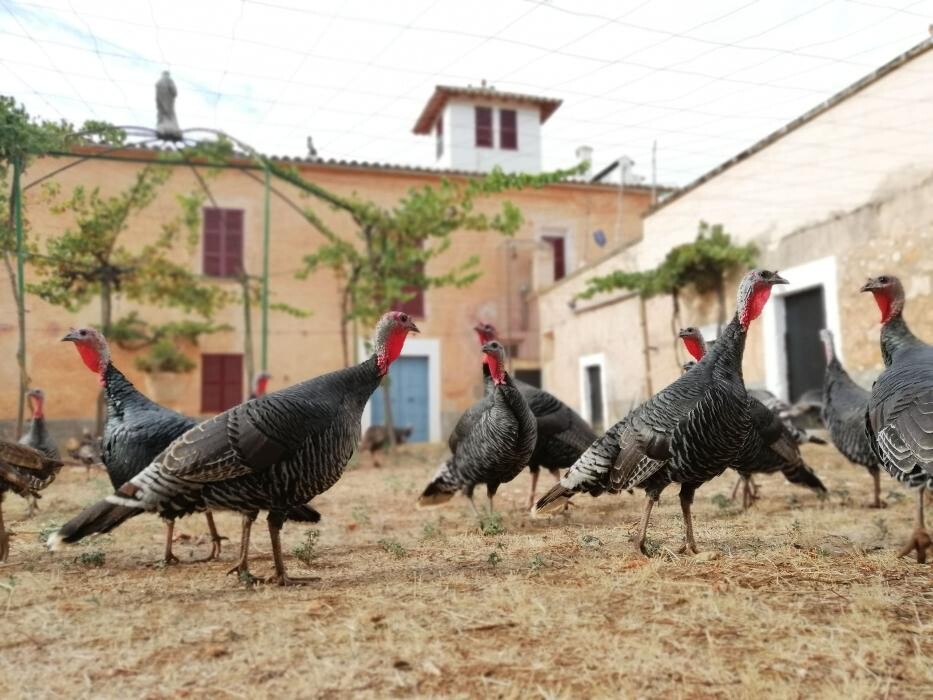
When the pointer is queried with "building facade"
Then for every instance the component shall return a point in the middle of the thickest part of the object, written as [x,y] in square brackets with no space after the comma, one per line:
[840,194]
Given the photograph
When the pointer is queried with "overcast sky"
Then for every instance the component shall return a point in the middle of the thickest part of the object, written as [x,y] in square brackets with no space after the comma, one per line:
[703,79]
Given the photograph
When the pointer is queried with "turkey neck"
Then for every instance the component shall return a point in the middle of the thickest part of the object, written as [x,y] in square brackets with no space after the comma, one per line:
[119,390]
[726,353]
[896,336]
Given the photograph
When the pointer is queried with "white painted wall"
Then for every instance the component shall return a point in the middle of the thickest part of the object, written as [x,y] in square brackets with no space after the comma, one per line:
[461,153]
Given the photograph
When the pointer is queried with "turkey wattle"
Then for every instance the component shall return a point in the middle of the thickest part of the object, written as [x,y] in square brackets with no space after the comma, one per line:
[899,417]
[23,471]
[563,435]
[494,447]
[777,447]
[843,413]
[136,430]
[274,453]
[687,433]
[38,438]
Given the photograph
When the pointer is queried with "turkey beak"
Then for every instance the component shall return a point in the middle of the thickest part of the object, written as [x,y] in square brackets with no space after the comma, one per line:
[869,285]
[412,327]
[682,333]
[71,337]
[777,279]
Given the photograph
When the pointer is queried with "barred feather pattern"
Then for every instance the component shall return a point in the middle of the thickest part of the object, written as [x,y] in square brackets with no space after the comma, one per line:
[24,470]
[274,453]
[844,406]
[688,433]
[498,445]
[899,417]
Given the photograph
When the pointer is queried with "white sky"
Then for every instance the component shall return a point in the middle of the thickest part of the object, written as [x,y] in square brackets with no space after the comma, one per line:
[704,79]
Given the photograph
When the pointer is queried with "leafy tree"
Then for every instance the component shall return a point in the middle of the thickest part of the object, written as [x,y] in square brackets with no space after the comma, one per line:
[91,259]
[22,138]
[703,264]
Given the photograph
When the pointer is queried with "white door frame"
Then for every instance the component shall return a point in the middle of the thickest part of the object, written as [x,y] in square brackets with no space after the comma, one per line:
[419,347]
[597,359]
[816,273]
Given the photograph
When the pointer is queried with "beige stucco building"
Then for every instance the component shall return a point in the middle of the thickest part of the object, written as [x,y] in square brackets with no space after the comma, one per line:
[842,193]
[556,238]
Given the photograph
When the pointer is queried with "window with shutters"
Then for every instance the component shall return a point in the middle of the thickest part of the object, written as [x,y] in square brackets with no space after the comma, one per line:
[221,382]
[223,242]
[484,127]
[560,259]
[508,129]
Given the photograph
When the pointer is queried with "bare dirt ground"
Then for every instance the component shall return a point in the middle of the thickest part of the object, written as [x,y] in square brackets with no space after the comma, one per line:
[795,599]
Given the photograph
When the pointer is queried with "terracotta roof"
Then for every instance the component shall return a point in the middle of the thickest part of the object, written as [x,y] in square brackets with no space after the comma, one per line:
[442,93]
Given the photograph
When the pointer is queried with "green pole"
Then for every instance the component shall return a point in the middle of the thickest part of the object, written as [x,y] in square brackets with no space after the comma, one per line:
[20,286]
[265,270]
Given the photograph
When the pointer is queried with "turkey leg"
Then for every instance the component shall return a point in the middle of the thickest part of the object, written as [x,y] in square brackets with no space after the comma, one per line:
[281,577]
[534,487]
[32,506]
[643,526]
[686,501]
[4,535]
[877,503]
[216,538]
[169,558]
[920,539]
[242,566]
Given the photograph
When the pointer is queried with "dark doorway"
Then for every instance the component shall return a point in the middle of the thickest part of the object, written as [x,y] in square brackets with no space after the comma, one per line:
[529,376]
[805,315]
[560,262]
[594,383]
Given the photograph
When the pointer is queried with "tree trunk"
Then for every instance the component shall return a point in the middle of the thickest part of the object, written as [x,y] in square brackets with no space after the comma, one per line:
[15,206]
[106,319]
[344,321]
[248,356]
[721,302]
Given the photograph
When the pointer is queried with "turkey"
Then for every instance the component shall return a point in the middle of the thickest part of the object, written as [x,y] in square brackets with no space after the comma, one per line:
[844,405]
[85,450]
[274,453]
[38,438]
[688,433]
[778,447]
[136,430]
[899,417]
[24,471]
[563,435]
[260,385]
[495,447]
[376,439]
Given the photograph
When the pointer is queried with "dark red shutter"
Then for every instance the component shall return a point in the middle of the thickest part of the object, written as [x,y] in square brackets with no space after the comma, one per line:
[213,237]
[557,245]
[508,129]
[233,242]
[484,127]
[221,382]
[415,305]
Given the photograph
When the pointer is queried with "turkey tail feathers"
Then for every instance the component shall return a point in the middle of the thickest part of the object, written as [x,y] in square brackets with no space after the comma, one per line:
[553,501]
[436,493]
[816,440]
[803,475]
[101,517]
[304,514]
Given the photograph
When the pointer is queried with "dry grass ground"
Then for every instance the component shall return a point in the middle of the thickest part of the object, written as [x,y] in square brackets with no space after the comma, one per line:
[799,599]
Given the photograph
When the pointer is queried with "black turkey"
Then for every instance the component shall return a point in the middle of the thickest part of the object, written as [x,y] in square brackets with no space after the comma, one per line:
[497,444]
[376,439]
[274,453]
[688,433]
[137,429]
[778,446]
[23,471]
[38,438]
[563,435]
[844,406]
[899,418]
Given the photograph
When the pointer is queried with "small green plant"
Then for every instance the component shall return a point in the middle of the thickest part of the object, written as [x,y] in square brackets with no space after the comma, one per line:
[491,524]
[882,526]
[652,547]
[795,527]
[393,547]
[430,531]
[591,541]
[793,501]
[47,531]
[306,550]
[537,563]
[494,559]
[721,501]
[95,558]
[360,515]
[896,496]
[394,483]
[844,496]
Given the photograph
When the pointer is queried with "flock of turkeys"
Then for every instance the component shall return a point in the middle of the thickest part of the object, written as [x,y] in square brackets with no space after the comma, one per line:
[279,450]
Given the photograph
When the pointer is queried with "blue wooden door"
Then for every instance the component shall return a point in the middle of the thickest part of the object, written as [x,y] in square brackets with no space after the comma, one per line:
[408,391]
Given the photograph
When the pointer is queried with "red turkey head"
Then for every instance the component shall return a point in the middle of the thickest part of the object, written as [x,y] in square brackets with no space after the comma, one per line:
[693,341]
[37,402]
[486,332]
[389,338]
[93,348]
[754,292]
[889,295]
[826,336]
[495,359]
[261,384]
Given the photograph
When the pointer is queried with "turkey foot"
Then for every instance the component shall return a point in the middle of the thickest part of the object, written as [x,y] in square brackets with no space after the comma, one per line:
[686,501]
[280,576]
[242,566]
[169,557]
[643,527]
[920,541]
[216,539]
